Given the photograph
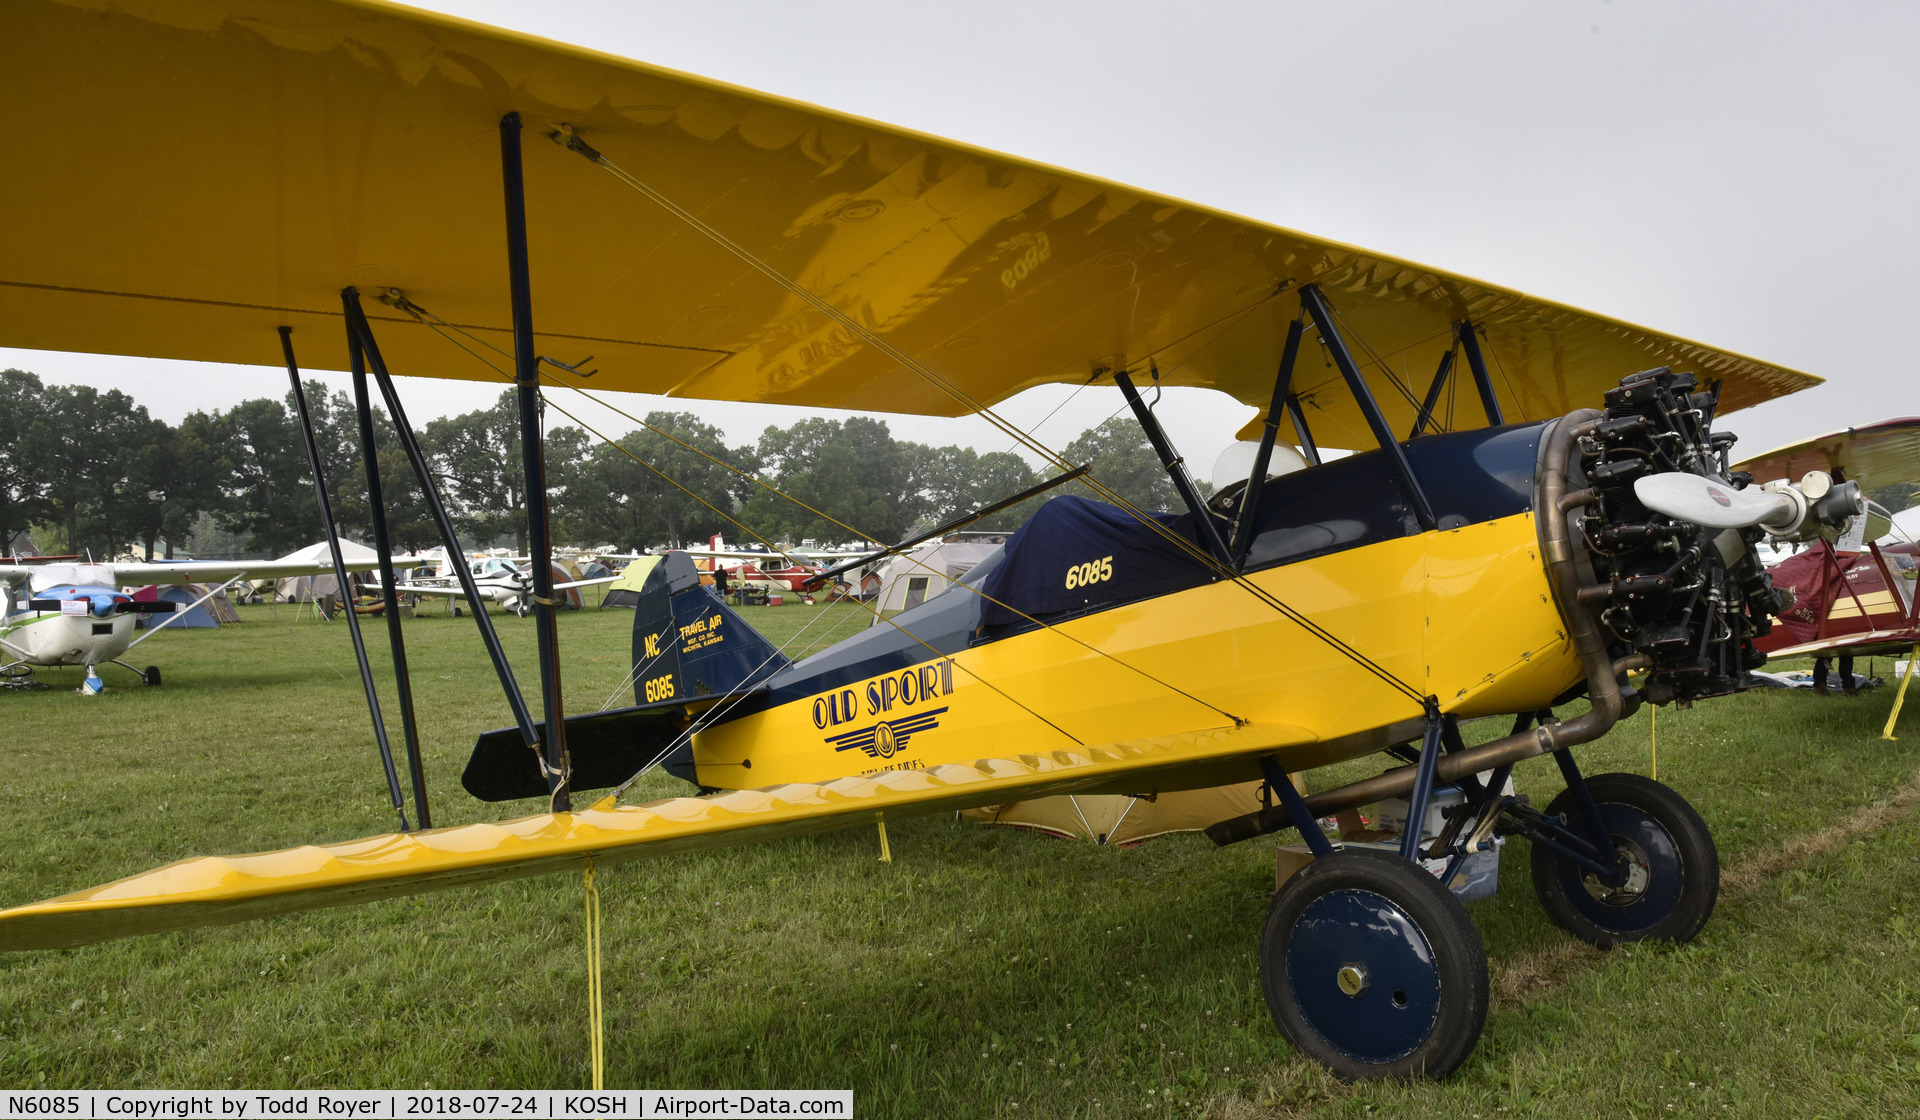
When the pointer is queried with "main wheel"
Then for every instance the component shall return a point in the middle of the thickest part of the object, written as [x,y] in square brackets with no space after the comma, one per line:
[151,678]
[1673,871]
[1373,968]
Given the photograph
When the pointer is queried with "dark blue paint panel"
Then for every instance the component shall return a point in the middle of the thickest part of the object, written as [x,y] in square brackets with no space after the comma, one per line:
[686,637]
[1121,560]
[1469,477]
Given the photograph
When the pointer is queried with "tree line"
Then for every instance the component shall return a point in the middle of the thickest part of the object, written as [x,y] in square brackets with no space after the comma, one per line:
[90,472]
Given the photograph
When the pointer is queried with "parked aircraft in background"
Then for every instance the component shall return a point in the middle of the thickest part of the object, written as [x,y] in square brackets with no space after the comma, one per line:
[500,580]
[77,614]
[792,570]
[1854,593]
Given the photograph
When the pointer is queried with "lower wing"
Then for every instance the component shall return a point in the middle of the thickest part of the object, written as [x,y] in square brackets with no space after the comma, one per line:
[217,890]
[427,589]
[586,582]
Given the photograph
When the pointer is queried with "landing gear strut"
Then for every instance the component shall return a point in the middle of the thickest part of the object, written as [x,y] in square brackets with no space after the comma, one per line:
[1671,871]
[150,676]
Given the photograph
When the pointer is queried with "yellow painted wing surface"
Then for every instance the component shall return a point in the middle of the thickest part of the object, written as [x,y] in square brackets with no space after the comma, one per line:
[216,890]
[186,176]
[1874,455]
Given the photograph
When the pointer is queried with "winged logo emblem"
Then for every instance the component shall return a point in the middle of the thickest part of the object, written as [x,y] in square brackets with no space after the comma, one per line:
[883,739]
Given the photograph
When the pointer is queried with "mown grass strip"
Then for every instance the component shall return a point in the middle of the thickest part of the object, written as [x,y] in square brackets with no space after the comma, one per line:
[982,973]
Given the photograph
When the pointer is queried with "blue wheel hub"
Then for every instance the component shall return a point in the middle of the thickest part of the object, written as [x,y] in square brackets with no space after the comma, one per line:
[1363,975]
[1654,879]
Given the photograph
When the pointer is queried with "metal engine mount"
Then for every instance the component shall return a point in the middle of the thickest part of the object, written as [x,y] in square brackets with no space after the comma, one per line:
[1689,599]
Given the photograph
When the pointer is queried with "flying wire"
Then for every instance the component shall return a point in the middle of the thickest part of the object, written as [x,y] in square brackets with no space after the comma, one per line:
[1374,358]
[1453,391]
[731,520]
[421,314]
[728,701]
[1508,381]
[566,138]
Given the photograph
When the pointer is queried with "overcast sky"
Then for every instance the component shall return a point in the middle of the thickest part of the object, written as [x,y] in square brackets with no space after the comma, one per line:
[1740,173]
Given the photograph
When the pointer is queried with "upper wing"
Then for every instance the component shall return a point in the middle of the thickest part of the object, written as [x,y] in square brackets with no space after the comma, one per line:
[1873,455]
[258,130]
[215,890]
[216,571]
[729,554]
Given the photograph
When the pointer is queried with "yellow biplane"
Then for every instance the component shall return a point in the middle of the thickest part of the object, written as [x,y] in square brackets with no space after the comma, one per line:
[1537,505]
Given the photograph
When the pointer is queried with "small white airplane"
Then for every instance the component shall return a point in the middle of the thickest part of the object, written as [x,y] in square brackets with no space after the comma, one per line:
[77,614]
[498,579]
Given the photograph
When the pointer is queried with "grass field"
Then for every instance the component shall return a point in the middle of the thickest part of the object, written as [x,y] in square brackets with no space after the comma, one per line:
[983,972]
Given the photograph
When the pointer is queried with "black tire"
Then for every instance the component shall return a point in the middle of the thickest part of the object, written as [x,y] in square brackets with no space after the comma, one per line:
[1676,877]
[1373,969]
[152,676]
[455,610]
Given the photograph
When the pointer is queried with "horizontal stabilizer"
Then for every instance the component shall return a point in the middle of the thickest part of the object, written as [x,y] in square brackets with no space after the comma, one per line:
[217,890]
[606,748]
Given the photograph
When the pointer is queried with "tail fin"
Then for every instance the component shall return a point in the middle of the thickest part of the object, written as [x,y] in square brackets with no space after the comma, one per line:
[687,643]
[688,647]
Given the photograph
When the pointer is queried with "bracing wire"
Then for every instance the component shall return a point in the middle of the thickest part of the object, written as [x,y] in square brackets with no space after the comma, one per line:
[1453,390]
[566,137]
[419,313]
[728,701]
[736,523]
[422,315]
[1512,393]
[1347,332]
[843,525]
[640,669]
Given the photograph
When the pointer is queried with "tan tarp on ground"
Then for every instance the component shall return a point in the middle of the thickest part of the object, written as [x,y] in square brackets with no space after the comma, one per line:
[1120,819]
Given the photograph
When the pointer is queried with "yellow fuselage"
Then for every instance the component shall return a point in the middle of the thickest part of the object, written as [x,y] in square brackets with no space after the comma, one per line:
[1463,614]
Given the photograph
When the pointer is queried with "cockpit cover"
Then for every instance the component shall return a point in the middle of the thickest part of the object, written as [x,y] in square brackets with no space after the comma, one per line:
[1113,557]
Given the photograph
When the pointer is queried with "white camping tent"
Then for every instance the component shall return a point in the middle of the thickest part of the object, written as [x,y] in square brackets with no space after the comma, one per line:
[301,589]
[907,581]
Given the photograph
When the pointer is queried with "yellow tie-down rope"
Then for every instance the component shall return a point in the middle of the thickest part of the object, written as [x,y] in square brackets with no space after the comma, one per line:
[596,1025]
[1900,697]
[1653,741]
